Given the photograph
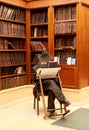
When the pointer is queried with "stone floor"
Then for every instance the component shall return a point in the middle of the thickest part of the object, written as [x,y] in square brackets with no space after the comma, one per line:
[20,115]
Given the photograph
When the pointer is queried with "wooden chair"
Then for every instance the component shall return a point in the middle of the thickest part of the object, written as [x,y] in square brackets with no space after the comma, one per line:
[45,73]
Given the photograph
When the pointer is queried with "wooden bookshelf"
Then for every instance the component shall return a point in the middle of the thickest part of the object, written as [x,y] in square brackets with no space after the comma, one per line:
[65,36]
[70,43]
[12,46]
[39,31]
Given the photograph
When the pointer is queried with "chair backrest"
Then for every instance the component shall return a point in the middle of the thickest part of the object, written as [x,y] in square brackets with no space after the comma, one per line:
[47,72]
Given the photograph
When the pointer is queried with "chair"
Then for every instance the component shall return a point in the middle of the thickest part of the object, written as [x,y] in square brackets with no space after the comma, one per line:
[45,73]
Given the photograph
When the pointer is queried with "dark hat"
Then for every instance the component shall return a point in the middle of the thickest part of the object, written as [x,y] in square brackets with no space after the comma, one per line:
[43,57]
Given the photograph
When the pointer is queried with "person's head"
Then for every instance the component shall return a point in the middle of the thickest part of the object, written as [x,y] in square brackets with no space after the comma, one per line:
[45,57]
[42,58]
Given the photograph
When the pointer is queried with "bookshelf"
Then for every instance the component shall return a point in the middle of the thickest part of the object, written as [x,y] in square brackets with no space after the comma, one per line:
[12,46]
[39,32]
[61,27]
[65,48]
[65,34]
[70,43]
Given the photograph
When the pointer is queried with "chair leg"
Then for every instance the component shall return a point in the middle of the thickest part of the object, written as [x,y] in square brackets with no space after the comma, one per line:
[37,104]
[34,103]
[66,111]
[65,108]
[61,107]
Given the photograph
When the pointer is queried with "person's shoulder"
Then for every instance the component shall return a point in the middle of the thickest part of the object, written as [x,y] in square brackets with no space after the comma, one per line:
[35,67]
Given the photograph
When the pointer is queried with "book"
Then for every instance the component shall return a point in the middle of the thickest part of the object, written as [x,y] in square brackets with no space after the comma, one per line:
[38,46]
[18,70]
[35,31]
[1,10]
[10,45]
[8,13]
[52,64]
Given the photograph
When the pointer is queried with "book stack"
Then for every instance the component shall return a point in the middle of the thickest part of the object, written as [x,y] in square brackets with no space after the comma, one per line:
[39,17]
[12,13]
[38,46]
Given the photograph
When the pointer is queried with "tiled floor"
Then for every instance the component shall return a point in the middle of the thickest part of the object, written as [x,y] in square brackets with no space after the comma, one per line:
[20,115]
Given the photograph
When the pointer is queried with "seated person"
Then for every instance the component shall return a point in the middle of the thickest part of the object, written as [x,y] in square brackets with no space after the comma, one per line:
[50,86]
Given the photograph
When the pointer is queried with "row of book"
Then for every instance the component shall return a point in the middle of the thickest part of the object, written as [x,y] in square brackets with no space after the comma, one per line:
[65,28]
[38,46]
[65,12]
[12,70]
[11,58]
[12,13]
[39,17]
[39,31]
[12,82]
[11,44]
[65,42]
[62,57]
[7,28]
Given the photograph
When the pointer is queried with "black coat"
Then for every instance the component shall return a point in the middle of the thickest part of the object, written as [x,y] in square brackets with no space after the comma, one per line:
[48,84]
